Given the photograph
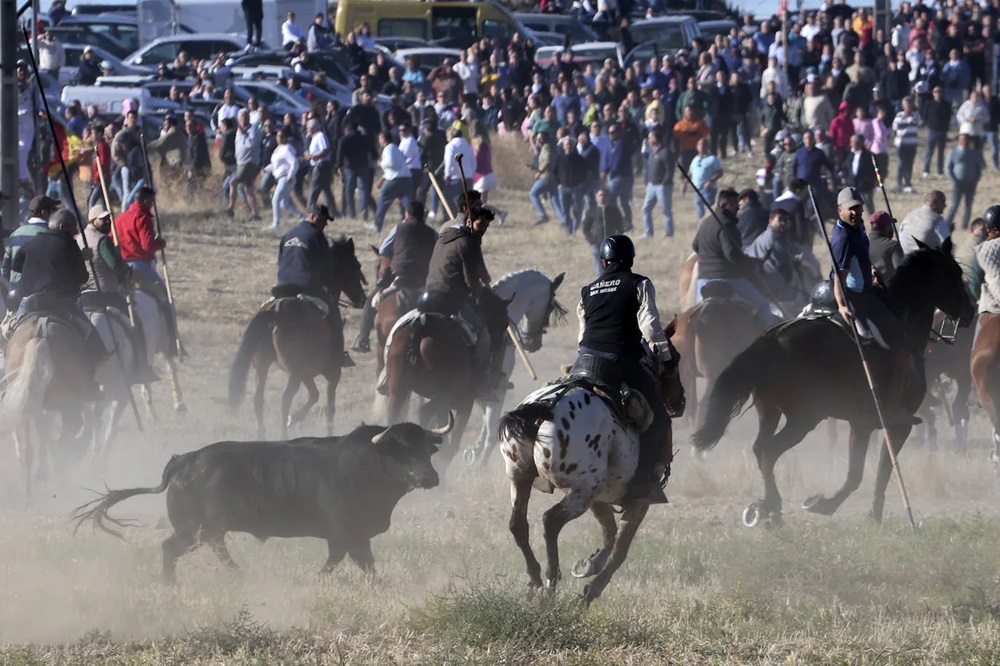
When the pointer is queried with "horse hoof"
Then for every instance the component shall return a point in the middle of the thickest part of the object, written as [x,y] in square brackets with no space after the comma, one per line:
[816,504]
[469,456]
[583,568]
[751,515]
[180,408]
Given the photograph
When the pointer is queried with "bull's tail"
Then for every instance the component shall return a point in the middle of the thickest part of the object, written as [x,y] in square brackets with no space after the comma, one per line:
[258,333]
[97,509]
[731,391]
[521,424]
[28,386]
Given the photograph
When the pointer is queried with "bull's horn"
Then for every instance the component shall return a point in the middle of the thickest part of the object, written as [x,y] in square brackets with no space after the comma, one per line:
[444,430]
[378,438]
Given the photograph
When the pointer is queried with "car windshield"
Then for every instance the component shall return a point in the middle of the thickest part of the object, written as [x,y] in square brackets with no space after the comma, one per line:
[666,35]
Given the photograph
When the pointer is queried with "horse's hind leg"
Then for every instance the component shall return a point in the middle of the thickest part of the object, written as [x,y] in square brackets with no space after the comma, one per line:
[768,448]
[855,472]
[174,546]
[331,401]
[25,453]
[258,396]
[175,387]
[286,402]
[570,507]
[312,399]
[520,492]
[147,399]
[590,566]
[631,519]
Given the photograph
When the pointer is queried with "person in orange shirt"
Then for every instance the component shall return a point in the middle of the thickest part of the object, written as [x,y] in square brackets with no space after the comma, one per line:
[688,131]
[863,25]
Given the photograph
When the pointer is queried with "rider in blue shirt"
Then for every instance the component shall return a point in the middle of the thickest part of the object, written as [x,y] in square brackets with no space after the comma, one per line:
[861,297]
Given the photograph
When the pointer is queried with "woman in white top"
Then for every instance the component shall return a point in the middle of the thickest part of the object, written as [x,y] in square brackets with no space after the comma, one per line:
[284,164]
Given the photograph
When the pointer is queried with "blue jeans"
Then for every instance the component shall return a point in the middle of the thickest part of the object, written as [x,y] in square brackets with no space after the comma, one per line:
[148,269]
[542,188]
[935,140]
[452,190]
[226,184]
[590,187]
[746,290]
[57,189]
[620,188]
[595,252]
[709,190]
[131,195]
[353,180]
[904,173]
[282,199]
[397,188]
[991,139]
[571,203]
[664,196]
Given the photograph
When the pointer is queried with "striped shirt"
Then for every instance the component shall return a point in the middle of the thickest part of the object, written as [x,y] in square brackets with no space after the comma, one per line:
[906,127]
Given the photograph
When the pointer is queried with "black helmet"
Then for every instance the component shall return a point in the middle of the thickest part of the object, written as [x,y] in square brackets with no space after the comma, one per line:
[618,248]
[992,218]
[822,297]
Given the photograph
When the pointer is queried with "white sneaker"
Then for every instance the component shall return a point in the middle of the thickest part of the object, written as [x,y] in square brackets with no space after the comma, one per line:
[503,218]
[432,215]
[926,174]
[269,227]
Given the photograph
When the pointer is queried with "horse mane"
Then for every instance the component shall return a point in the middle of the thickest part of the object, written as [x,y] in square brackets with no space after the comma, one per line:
[911,275]
[502,282]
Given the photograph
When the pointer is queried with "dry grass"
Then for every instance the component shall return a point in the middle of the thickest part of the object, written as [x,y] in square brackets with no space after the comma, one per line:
[696,589]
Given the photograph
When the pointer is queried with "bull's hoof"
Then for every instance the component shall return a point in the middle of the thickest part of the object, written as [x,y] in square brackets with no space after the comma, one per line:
[180,408]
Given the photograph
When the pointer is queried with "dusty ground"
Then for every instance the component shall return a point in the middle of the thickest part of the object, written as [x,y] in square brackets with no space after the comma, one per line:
[698,588]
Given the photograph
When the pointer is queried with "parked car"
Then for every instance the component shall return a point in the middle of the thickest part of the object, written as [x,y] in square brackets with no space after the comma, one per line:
[564,25]
[671,33]
[709,29]
[428,57]
[597,53]
[109,99]
[332,64]
[74,54]
[197,46]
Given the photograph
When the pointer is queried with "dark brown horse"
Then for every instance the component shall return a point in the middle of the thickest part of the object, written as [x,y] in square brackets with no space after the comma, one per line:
[709,336]
[294,334]
[808,370]
[949,359]
[436,361]
[48,372]
[985,370]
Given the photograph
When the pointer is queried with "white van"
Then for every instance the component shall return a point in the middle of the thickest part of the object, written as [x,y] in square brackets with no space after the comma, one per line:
[109,99]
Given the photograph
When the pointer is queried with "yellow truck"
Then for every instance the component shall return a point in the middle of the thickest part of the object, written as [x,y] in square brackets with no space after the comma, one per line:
[443,22]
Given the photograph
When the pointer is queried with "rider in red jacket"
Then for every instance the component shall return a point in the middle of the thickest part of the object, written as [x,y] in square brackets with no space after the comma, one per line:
[137,239]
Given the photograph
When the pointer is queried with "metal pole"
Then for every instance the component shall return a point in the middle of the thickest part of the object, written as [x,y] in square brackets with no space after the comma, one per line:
[163,252]
[897,472]
[10,174]
[80,225]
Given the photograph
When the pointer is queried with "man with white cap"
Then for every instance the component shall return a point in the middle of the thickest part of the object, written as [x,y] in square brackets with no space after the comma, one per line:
[858,295]
[89,68]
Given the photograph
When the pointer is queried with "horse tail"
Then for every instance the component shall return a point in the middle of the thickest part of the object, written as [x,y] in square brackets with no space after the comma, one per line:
[31,379]
[97,510]
[257,334]
[731,391]
[521,424]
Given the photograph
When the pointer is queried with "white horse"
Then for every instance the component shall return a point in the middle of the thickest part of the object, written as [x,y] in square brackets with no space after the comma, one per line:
[533,307]
[114,376]
[156,330]
[566,437]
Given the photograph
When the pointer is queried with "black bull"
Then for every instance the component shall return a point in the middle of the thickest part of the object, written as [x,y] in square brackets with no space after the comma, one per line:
[342,489]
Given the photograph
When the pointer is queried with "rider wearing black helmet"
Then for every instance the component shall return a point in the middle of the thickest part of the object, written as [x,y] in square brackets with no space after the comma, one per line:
[617,313]
[988,260]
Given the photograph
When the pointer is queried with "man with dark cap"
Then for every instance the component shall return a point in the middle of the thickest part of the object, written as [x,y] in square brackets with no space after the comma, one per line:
[40,209]
[858,296]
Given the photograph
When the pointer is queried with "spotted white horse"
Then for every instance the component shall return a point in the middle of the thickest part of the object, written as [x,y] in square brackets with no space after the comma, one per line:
[531,313]
[572,441]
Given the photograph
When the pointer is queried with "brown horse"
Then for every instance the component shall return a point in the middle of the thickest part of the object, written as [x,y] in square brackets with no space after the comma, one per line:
[294,334]
[949,359]
[984,367]
[709,336]
[435,361]
[808,370]
[48,370]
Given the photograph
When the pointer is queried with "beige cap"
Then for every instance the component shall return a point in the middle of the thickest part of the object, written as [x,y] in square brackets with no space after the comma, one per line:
[97,212]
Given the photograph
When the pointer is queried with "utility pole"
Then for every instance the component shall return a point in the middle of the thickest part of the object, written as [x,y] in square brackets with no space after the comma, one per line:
[10,176]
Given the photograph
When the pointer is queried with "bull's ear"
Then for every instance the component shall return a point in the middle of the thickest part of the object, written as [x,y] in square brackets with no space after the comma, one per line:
[558,281]
[921,244]
[381,437]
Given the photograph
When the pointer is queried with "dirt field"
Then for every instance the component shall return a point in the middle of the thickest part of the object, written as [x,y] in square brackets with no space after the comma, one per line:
[698,587]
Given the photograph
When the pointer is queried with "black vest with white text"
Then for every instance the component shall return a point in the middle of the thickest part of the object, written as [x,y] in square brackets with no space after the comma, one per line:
[610,307]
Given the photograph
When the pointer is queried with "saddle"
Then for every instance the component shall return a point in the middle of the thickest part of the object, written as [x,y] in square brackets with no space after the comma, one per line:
[602,378]
[43,311]
[823,305]
[284,294]
[716,293]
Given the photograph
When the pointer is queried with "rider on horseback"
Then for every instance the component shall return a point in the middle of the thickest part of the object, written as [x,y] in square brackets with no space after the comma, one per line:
[988,260]
[109,282]
[459,284]
[404,258]
[869,302]
[721,257]
[53,269]
[304,262]
[617,313]
[40,209]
